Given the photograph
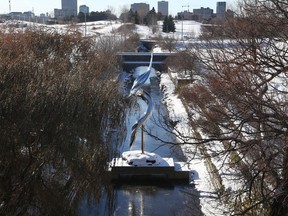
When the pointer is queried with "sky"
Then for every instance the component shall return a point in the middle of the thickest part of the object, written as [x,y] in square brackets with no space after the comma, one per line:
[39,6]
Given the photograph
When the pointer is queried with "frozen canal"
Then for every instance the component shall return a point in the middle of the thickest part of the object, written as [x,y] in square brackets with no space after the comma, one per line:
[149,198]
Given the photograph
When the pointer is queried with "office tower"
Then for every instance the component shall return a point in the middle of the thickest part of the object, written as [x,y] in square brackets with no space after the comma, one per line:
[163,7]
[141,8]
[220,9]
[69,7]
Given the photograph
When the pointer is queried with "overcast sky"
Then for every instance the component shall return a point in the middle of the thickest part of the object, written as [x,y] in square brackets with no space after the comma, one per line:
[43,6]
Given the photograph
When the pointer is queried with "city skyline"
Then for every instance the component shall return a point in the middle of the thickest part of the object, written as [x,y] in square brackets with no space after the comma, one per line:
[38,7]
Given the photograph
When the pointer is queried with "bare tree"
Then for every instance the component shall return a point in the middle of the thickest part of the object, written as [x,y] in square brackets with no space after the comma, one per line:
[241,101]
[166,43]
[124,14]
[184,61]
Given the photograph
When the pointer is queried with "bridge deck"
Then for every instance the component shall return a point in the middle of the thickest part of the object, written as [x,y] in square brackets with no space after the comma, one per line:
[144,54]
[130,60]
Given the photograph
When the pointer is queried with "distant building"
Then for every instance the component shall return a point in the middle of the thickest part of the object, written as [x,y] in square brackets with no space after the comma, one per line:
[58,13]
[163,8]
[69,7]
[203,13]
[16,15]
[43,18]
[28,15]
[220,9]
[141,8]
[84,9]
[185,15]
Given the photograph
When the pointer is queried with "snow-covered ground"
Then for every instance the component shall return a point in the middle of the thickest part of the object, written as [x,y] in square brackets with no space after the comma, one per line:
[187,29]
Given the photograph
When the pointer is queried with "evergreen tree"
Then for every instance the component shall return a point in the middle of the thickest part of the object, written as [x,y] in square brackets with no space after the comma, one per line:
[168,24]
[81,17]
[136,18]
[171,24]
[151,18]
[130,17]
[165,25]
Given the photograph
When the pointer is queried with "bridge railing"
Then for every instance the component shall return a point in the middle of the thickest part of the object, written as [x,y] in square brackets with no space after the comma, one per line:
[130,60]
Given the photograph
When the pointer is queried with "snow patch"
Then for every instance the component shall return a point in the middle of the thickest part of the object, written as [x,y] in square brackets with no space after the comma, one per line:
[137,158]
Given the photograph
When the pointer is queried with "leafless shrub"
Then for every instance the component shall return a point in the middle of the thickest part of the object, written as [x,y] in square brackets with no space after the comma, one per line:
[58,100]
[241,102]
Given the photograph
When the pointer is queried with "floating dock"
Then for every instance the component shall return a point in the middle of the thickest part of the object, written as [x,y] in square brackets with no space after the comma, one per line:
[167,170]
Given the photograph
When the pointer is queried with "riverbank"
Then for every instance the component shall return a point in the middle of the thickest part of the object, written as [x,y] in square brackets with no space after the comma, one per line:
[204,182]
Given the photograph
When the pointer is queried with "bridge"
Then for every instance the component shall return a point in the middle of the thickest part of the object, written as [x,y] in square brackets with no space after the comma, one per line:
[130,60]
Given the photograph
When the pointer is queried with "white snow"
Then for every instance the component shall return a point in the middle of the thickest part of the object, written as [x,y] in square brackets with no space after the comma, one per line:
[177,112]
[188,29]
[137,158]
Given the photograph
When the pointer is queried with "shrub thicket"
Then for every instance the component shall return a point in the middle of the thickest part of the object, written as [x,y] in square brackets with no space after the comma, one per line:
[57,99]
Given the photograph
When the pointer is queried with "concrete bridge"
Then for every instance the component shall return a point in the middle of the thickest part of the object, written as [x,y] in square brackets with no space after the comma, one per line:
[130,60]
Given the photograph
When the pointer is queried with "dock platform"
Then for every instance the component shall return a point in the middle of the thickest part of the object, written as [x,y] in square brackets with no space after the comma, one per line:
[166,170]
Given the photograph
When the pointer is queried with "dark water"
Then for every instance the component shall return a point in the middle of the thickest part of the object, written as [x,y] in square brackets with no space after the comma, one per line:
[159,199]
[148,197]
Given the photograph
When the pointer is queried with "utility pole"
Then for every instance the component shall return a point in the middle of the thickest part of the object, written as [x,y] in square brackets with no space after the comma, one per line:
[85,16]
[187,6]
[183,19]
[33,18]
[85,23]
[10,6]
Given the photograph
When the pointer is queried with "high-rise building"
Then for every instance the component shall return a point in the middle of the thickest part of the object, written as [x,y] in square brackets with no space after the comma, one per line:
[220,9]
[84,9]
[163,7]
[69,7]
[141,8]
